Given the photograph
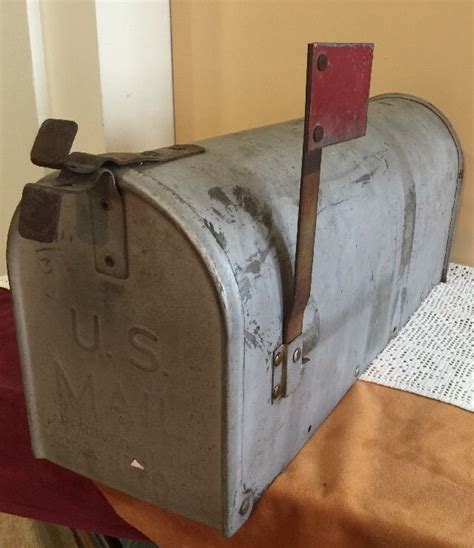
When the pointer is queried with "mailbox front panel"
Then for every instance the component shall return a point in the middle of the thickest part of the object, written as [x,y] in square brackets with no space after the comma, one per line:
[123,376]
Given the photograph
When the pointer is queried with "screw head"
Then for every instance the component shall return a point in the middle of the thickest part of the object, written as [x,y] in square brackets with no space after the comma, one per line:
[357,371]
[276,392]
[318,133]
[322,61]
[297,355]
[247,502]
[278,358]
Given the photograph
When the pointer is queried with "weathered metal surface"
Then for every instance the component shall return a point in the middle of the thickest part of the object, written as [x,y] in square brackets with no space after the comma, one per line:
[108,226]
[172,366]
[460,174]
[55,138]
[122,382]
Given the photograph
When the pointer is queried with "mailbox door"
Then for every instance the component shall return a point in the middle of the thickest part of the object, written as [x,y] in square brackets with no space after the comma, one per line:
[123,375]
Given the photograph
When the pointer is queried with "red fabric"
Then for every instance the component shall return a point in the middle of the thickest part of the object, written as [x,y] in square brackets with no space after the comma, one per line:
[36,488]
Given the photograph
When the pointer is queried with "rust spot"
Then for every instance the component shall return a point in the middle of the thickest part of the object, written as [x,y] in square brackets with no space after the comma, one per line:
[254,267]
[250,204]
[218,235]
[216,193]
[364,179]
[262,213]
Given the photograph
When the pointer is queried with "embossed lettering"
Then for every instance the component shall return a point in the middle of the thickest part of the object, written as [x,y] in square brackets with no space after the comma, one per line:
[92,342]
[140,339]
[81,398]
[118,402]
[45,262]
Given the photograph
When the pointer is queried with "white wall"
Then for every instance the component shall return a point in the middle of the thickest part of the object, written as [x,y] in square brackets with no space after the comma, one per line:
[105,64]
[136,74]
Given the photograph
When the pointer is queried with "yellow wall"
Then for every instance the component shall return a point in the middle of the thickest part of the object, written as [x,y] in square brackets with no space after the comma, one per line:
[241,64]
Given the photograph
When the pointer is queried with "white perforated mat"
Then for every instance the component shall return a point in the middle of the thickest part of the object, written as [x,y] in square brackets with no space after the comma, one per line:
[433,355]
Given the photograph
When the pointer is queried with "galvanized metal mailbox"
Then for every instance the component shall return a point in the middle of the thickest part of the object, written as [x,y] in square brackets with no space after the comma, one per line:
[182,331]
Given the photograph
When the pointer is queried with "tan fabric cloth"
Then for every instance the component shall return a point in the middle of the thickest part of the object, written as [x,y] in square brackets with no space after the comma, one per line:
[387,468]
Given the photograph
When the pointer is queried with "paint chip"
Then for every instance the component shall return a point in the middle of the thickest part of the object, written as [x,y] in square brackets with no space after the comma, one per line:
[136,464]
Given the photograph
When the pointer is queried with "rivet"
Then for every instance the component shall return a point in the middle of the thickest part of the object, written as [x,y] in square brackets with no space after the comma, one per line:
[322,61]
[318,133]
[297,355]
[276,392]
[105,205]
[357,371]
[246,503]
[244,507]
[109,261]
[278,358]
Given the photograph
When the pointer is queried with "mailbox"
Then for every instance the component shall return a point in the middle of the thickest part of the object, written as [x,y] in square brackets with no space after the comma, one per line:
[185,324]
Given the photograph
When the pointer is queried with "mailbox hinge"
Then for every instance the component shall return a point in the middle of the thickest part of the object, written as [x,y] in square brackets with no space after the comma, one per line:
[40,209]
[108,226]
[287,368]
[54,140]
[80,171]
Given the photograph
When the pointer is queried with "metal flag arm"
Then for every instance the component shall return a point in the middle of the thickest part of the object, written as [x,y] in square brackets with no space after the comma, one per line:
[337,94]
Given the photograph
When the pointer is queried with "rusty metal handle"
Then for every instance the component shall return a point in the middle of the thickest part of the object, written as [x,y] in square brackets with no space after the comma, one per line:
[52,148]
[308,210]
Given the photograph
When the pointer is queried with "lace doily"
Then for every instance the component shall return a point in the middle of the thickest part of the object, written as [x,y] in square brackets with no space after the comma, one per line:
[433,355]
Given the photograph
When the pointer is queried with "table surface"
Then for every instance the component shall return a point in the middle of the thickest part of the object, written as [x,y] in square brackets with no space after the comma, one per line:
[386,468]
